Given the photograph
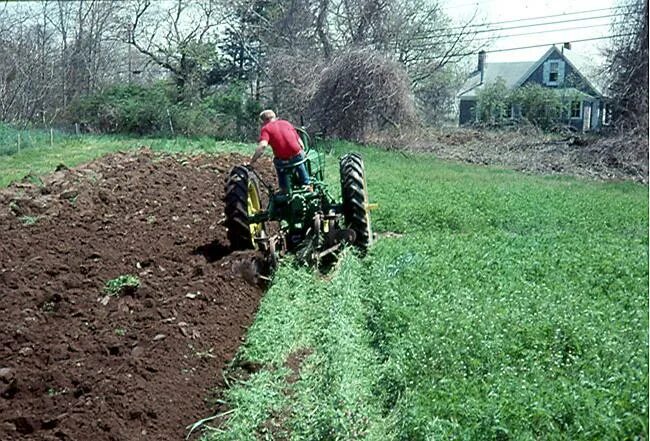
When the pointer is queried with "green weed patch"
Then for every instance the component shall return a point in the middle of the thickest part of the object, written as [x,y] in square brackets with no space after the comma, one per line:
[123,284]
[331,391]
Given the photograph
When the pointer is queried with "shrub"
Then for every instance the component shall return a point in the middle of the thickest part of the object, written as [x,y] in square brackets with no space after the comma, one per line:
[627,69]
[190,120]
[124,109]
[435,96]
[543,107]
[361,92]
[235,111]
[225,113]
[492,103]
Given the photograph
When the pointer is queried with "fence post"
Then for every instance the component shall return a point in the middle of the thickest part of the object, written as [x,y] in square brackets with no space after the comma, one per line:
[169,117]
[18,142]
[51,137]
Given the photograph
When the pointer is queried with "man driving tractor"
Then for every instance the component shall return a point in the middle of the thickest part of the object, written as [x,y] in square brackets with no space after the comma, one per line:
[287,147]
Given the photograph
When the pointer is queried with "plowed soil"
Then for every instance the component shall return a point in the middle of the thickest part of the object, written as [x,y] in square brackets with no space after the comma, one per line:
[77,363]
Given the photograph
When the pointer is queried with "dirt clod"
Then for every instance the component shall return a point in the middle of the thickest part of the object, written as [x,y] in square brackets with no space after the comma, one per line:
[6,374]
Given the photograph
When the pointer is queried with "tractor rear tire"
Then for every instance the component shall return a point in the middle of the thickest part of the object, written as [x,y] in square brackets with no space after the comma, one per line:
[240,182]
[355,199]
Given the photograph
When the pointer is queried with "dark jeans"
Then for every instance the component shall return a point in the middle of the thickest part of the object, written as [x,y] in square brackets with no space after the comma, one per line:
[285,175]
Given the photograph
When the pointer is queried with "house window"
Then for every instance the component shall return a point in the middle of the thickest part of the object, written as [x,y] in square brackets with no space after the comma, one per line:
[576,109]
[554,71]
[607,115]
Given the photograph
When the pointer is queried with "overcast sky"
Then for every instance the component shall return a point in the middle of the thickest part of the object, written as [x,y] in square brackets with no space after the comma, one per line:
[491,11]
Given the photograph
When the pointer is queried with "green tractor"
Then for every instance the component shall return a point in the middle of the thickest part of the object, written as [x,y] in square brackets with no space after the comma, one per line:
[312,224]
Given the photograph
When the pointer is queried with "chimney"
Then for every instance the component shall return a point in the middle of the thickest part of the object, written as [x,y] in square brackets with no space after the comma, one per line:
[481,64]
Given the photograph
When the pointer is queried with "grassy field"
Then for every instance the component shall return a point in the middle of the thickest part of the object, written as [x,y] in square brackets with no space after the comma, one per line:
[494,305]
[42,157]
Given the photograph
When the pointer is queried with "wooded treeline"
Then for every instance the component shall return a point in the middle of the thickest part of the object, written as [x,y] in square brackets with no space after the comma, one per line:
[85,61]
[347,67]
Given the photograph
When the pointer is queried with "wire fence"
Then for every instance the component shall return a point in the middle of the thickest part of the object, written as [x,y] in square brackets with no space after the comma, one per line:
[14,140]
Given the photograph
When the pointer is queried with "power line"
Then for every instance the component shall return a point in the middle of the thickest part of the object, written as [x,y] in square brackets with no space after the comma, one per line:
[546,16]
[439,32]
[481,25]
[559,42]
[545,31]
[529,47]
[433,44]
[462,5]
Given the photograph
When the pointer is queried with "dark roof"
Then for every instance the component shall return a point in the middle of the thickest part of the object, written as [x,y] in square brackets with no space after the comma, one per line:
[513,74]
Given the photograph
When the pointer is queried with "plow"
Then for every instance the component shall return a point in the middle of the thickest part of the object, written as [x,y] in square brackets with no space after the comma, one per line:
[304,220]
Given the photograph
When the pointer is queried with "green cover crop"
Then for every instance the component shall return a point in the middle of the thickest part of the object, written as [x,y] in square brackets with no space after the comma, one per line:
[500,307]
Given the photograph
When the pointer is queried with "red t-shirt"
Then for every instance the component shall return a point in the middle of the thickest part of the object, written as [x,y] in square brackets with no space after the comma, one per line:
[282,137]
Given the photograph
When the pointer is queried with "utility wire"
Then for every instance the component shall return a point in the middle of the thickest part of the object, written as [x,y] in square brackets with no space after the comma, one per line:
[590,11]
[441,32]
[496,37]
[462,5]
[543,17]
[528,47]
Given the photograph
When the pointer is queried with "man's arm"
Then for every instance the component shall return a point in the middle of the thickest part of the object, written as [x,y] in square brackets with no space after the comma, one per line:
[259,150]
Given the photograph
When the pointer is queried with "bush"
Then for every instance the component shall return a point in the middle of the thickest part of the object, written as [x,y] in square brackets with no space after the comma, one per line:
[627,68]
[293,80]
[235,112]
[124,109]
[226,113]
[359,93]
[542,107]
[189,120]
[492,103]
[435,96]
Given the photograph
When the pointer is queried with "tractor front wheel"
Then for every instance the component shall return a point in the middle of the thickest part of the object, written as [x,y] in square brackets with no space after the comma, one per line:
[242,200]
[355,199]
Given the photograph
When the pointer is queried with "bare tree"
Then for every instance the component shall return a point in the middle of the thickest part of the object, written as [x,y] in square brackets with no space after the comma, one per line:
[87,33]
[414,33]
[181,39]
[58,51]
[628,68]
[26,74]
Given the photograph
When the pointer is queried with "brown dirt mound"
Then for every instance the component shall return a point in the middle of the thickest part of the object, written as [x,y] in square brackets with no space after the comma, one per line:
[76,363]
